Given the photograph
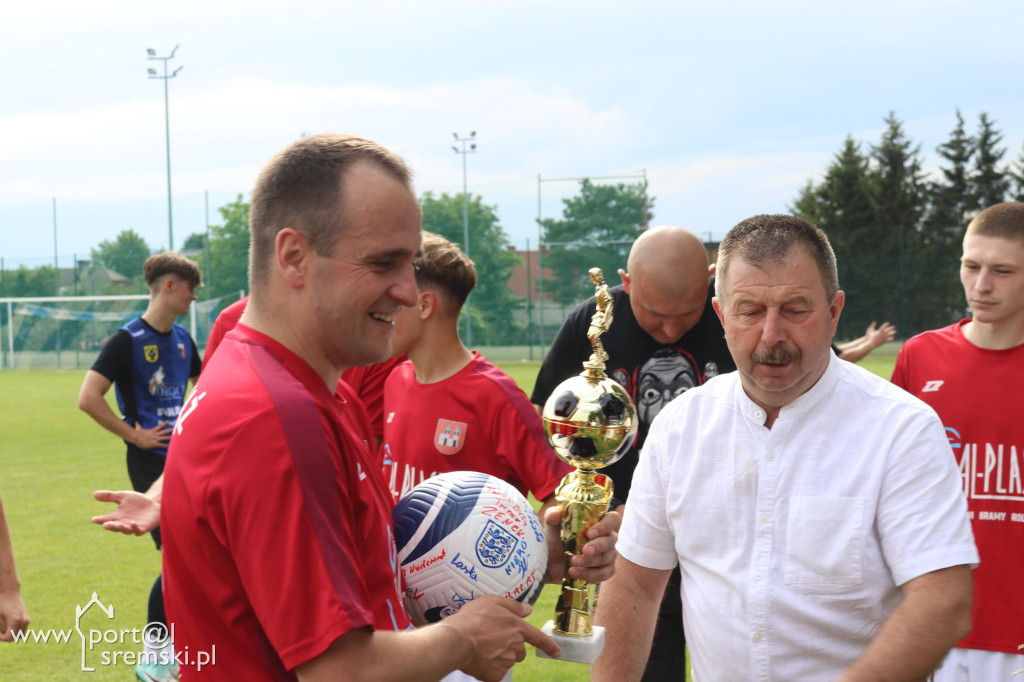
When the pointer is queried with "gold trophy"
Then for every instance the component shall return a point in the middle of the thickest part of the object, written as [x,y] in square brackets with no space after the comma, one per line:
[590,422]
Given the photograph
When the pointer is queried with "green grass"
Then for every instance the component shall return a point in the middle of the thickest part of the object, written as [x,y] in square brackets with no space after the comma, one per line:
[51,459]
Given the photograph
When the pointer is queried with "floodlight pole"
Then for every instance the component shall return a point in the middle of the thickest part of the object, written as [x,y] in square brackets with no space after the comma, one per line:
[151,55]
[465,214]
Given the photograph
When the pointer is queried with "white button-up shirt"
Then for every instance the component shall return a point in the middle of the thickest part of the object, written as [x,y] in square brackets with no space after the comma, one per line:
[793,541]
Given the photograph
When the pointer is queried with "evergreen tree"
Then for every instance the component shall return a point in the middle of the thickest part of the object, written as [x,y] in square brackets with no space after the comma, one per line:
[934,249]
[847,217]
[1017,173]
[952,197]
[898,196]
[990,183]
[808,203]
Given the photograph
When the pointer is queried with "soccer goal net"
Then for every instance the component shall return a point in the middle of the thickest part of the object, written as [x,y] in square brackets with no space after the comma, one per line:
[67,332]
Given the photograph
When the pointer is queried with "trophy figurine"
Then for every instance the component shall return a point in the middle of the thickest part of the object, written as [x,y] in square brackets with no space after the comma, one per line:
[590,422]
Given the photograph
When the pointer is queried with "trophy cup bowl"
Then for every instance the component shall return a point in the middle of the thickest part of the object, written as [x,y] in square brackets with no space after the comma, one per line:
[590,422]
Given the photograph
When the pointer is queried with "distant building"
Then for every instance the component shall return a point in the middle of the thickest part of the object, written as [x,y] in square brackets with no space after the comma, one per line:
[525,276]
[93,280]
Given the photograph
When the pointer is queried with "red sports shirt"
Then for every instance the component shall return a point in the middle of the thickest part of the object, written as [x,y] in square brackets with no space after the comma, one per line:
[475,420]
[277,528]
[978,394]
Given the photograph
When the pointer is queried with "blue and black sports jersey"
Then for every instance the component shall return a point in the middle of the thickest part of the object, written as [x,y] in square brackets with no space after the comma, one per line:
[150,371]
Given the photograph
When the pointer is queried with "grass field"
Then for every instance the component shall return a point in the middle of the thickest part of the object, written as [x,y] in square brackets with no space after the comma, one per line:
[51,459]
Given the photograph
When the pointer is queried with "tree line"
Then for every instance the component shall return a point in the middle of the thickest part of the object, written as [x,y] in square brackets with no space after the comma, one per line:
[897,232]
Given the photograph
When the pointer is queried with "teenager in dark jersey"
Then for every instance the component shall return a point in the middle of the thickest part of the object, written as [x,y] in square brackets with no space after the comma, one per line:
[150,362]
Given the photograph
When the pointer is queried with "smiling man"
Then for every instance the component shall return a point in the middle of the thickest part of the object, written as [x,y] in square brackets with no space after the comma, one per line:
[814,509]
[279,542]
[972,373]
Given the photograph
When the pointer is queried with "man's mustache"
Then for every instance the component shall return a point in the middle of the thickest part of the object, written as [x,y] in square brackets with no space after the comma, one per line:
[775,355]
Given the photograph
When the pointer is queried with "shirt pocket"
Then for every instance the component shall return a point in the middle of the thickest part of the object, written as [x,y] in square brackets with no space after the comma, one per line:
[824,542]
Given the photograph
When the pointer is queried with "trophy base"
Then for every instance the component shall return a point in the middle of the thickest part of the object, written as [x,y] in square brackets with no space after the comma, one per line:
[575,649]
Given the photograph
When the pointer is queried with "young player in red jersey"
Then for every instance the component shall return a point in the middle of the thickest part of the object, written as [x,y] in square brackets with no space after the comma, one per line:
[972,373]
[449,409]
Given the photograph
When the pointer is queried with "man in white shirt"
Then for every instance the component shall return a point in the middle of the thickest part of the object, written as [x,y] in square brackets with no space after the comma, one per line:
[815,511]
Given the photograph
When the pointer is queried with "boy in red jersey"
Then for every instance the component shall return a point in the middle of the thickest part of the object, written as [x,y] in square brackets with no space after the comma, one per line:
[449,409]
[972,373]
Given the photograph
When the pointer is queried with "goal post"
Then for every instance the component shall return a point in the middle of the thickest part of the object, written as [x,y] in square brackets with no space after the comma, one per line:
[67,332]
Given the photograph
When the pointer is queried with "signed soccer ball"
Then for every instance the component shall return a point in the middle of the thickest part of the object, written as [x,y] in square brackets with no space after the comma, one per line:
[462,535]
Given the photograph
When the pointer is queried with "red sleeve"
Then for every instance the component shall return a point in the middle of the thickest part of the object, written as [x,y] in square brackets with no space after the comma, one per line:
[520,443]
[224,323]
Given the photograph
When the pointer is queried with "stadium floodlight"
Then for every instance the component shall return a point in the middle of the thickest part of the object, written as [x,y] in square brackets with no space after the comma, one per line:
[465,213]
[151,54]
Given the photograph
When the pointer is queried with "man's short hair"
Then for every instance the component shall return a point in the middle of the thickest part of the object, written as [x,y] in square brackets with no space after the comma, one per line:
[769,238]
[1004,220]
[300,187]
[171,263]
[442,265]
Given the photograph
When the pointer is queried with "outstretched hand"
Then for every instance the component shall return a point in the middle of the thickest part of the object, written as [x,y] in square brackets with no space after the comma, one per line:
[597,562]
[136,514]
[876,336]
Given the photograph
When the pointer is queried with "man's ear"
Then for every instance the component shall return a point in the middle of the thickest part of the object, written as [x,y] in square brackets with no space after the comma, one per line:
[718,309]
[293,256]
[624,276]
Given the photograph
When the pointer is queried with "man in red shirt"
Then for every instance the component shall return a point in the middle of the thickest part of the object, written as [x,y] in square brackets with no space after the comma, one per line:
[972,373]
[279,547]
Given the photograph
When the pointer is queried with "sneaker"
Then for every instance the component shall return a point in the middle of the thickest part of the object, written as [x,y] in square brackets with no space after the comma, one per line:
[157,673]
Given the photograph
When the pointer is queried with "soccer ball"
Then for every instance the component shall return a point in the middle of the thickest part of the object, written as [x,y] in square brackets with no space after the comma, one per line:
[462,535]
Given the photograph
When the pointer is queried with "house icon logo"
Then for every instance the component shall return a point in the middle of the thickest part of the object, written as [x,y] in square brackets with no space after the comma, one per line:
[79,612]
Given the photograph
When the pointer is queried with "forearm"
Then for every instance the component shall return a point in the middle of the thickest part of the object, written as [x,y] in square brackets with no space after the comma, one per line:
[919,633]
[627,607]
[156,491]
[9,583]
[98,408]
[854,350]
[425,654]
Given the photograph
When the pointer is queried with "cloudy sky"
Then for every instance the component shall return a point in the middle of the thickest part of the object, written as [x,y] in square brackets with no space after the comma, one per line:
[727,107]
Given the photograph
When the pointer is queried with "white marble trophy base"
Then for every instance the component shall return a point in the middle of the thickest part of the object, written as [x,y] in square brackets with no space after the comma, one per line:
[575,649]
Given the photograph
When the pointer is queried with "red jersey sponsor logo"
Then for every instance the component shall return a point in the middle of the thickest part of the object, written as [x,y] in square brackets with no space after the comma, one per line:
[449,436]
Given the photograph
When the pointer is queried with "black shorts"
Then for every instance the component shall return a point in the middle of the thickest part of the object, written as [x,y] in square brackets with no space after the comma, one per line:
[144,468]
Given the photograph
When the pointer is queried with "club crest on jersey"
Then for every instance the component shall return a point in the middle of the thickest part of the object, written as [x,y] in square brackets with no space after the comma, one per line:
[450,436]
[181,349]
[495,545]
[151,353]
